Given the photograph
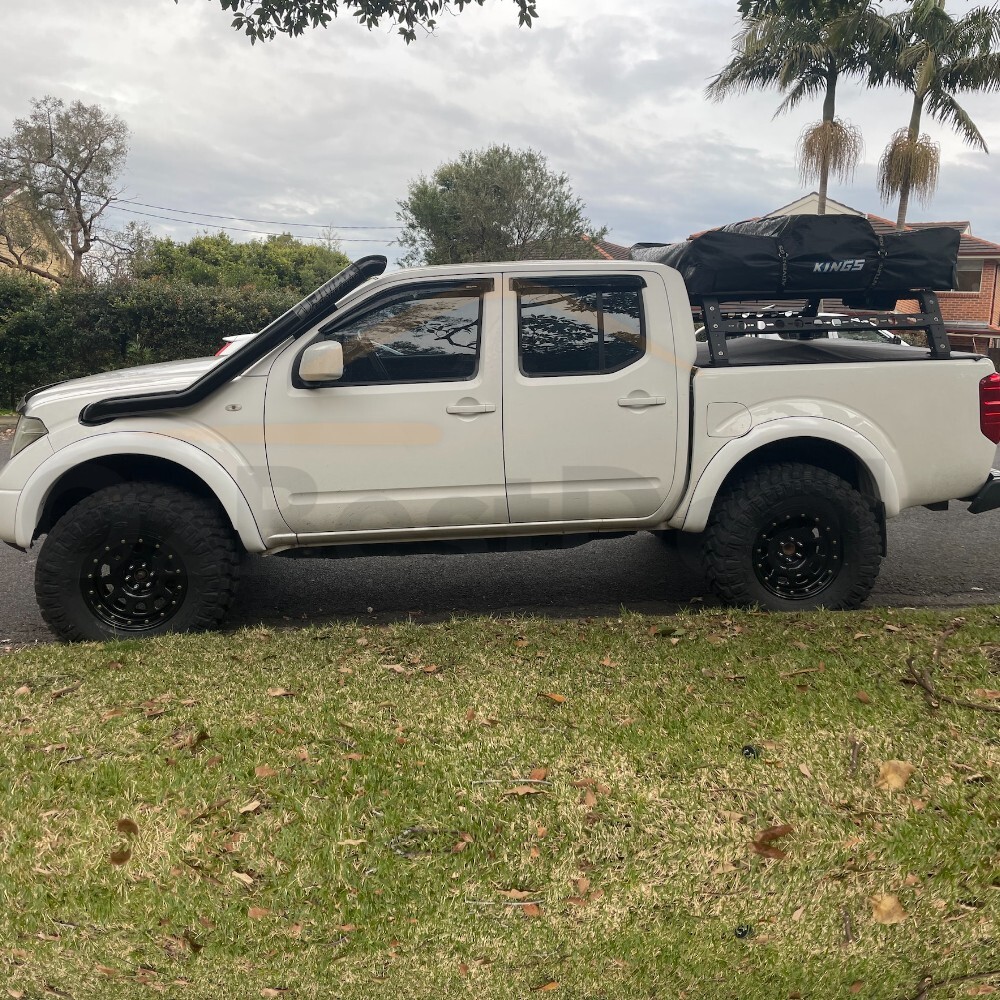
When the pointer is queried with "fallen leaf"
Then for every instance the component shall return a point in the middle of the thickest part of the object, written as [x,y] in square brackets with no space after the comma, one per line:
[804,768]
[799,914]
[893,628]
[552,696]
[257,912]
[347,928]
[919,805]
[987,694]
[280,693]
[863,697]
[214,761]
[22,690]
[120,857]
[242,877]
[981,990]
[894,774]
[354,756]
[539,773]
[522,790]
[531,910]
[127,826]
[886,910]
[351,843]
[726,868]
[274,991]
[431,668]
[251,807]
[105,970]
[518,893]
[857,986]
[547,988]
[763,842]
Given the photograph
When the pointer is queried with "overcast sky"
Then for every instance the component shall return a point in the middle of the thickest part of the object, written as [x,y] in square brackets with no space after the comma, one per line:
[330,127]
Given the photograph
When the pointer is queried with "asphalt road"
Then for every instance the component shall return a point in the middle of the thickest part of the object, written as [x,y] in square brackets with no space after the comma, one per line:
[935,559]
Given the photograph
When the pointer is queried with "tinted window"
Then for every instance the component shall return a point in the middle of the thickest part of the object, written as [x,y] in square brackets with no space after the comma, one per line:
[429,335]
[579,329]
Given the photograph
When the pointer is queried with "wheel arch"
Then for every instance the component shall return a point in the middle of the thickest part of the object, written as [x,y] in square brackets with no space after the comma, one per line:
[825,444]
[77,471]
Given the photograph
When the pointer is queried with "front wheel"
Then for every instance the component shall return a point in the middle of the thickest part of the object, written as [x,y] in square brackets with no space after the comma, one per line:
[791,537]
[137,560]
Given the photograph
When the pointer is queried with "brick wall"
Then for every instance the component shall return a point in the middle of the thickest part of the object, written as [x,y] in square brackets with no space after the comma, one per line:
[982,306]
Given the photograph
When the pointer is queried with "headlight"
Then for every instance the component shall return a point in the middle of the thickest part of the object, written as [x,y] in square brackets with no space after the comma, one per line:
[28,429]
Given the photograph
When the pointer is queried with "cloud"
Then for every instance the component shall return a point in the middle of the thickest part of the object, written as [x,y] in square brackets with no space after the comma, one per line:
[331,127]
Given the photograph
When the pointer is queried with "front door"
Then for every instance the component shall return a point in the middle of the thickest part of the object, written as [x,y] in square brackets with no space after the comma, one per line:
[590,415]
[411,436]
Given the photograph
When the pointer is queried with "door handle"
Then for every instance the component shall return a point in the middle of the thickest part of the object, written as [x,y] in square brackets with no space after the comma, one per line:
[638,402]
[469,409]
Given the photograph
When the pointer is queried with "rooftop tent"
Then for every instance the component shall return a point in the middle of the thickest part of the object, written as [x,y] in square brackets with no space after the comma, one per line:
[838,255]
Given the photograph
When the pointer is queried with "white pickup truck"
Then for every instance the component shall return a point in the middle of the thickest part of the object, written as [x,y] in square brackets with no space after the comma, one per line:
[492,407]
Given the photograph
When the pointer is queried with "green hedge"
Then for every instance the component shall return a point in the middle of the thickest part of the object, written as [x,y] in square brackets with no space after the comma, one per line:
[49,336]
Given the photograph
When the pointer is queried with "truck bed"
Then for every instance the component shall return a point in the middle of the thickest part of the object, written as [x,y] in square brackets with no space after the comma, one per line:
[758,352]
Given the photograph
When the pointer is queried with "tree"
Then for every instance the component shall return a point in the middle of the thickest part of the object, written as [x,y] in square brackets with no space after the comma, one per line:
[935,57]
[804,47]
[262,20]
[280,263]
[494,204]
[61,163]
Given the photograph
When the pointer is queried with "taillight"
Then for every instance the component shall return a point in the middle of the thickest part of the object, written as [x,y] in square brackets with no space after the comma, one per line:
[989,407]
[221,350]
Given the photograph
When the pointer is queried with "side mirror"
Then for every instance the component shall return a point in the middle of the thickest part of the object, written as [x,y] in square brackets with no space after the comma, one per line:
[322,362]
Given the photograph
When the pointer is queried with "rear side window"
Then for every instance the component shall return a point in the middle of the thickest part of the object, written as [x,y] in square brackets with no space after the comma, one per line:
[579,327]
[428,334]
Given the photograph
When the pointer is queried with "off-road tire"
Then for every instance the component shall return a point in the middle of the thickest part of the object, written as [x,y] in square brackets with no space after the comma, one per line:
[789,537]
[120,534]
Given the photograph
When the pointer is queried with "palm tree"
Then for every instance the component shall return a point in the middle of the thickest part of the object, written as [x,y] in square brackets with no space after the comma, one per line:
[935,57]
[804,47]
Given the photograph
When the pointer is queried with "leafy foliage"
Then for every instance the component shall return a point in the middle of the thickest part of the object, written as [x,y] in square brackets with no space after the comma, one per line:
[62,162]
[935,57]
[262,20]
[47,336]
[279,262]
[494,204]
[804,47]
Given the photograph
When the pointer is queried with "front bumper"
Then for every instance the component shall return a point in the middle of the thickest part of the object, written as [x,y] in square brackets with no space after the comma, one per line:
[988,498]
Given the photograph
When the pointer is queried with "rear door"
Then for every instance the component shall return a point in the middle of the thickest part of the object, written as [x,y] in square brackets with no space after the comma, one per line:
[590,398]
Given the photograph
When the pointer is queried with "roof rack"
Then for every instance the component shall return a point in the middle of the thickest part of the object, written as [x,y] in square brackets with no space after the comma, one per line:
[722,323]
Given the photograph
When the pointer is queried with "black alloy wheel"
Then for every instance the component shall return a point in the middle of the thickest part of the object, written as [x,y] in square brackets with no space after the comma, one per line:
[798,555]
[791,536]
[135,560]
[135,585]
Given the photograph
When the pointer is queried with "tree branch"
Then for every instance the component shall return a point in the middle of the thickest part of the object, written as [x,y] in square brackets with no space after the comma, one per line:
[929,985]
[921,678]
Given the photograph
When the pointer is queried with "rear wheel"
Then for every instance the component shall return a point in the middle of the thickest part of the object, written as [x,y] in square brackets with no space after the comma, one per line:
[137,560]
[790,537]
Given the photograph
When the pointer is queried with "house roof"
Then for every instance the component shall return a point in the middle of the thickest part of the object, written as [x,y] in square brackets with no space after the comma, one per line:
[610,251]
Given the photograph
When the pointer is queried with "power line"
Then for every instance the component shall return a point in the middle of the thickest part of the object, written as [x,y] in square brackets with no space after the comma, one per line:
[237,218]
[239,229]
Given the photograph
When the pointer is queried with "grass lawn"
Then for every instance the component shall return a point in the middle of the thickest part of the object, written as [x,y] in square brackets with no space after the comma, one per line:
[488,808]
